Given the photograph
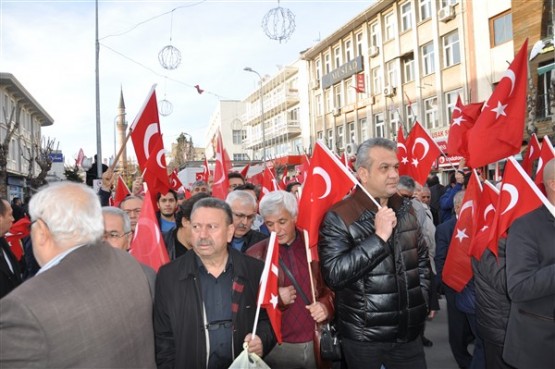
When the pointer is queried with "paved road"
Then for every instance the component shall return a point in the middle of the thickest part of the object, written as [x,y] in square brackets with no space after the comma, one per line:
[439,355]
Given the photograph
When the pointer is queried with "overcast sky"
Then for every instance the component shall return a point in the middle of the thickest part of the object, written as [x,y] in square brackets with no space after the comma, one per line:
[49,46]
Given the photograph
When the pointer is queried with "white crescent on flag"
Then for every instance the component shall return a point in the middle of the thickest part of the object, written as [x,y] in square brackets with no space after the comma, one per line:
[424,143]
[151,130]
[513,192]
[326,177]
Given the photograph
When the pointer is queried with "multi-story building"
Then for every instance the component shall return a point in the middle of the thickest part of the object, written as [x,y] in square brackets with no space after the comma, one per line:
[281,103]
[27,138]
[227,119]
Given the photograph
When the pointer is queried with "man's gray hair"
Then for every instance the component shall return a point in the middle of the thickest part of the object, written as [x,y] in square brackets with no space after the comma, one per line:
[122,214]
[458,198]
[245,198]
[363,152]
[71,211]
[406,183]
[274,201]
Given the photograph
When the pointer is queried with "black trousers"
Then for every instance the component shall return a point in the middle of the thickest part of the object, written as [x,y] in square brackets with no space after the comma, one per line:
[460,333]
[494,356]
[371,355]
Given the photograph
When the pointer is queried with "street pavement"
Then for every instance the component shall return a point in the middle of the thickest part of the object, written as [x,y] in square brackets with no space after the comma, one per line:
[439,356]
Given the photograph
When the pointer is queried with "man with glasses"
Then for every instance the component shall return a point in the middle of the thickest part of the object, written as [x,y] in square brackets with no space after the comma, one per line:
[132,206]
[206,300]
[243,207]
[89,306]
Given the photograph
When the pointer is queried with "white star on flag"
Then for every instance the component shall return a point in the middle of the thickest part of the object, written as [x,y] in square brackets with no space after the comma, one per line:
[405,160]
[274,300]
[415,162]
[461,235]
[457,121]
[499,110]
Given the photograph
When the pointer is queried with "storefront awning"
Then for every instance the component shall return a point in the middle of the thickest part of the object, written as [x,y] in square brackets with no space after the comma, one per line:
[545,68]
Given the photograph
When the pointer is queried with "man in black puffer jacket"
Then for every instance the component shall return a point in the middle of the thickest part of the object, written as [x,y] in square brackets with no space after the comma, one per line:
[376,261]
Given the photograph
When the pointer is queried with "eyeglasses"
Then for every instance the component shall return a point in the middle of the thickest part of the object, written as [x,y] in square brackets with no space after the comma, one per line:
[212,326]
[30,225]
[114,235]
[245,216]
[132,211]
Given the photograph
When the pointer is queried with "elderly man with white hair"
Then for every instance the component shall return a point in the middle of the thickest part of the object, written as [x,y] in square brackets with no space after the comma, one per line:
[89,306]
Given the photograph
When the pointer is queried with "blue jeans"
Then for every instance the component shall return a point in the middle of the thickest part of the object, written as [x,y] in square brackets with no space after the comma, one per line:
[372,355]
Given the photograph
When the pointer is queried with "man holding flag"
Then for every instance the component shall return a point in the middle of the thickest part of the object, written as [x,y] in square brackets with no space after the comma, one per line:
[205,302]
[376,260]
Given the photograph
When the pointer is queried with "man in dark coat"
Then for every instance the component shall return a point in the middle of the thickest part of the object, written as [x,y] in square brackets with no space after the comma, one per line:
[10,274]
[376,261]
[206,300]
[243,207]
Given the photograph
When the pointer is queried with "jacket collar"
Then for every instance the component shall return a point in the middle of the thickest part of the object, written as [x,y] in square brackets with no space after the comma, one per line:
[395,202]
[189,267]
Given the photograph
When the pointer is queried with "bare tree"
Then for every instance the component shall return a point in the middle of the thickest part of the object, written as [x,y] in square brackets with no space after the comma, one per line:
[44,161]
[12,125]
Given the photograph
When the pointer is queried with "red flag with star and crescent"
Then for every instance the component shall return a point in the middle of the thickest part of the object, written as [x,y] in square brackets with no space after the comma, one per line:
[220,187]
[422,152]
[122,191]
[518,196]
[148,245]
[457,270]
[402,154]
[269,183]
[155,174]
[205,175]
[499,129]
[327,182]
[268,295]
[484,220]
[175,182]
[145,129]
[464,117]
[546,154]
[531,154]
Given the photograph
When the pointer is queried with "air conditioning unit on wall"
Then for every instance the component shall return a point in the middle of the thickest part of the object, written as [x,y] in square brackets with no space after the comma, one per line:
[389,91]
[446,13]
[373,51]
[351,149]
[336,111]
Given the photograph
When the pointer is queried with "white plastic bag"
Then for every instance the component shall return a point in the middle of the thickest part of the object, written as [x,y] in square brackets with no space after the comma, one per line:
[248,361]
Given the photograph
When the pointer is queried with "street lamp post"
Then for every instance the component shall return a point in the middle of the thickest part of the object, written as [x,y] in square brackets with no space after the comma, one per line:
[249,69]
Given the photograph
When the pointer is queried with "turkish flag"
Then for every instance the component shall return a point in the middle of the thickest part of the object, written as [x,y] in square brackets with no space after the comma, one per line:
[205,171]
[175,183]
[145,129]
[422,152]
[148,245]
[257,178]
[156,174]
[80,157]
[122,191]
[532,153]
[283,183]
[220,187]
[245,171]
[402,154]
[546,154]
[499,129]
[268,294]
[457,270]
[268,183]
[484,220]
[18,231]
[518,196]
[464,117]
[327,182]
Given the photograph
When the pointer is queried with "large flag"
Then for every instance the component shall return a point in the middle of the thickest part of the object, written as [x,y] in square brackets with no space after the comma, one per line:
[283,183]
[148,245]
[457,270]
[422,152]
[122,191]
[546,154]
[175,182]
[532,153]
[499,129]
[145,129]
[220,187]
[156,174]
[402,153]
[518,196]
[245,171]
[464,117]
[484,220]
[205,171]
[268,295]
[268,183]
[327,182]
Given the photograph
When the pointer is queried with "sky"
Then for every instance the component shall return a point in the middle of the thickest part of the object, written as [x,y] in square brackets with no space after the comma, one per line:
[49,46]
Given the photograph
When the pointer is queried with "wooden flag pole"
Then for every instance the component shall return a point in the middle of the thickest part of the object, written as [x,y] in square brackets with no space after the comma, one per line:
[309,260]
[114,163]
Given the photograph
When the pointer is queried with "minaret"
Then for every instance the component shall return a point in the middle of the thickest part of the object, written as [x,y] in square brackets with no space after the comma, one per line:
[122,130]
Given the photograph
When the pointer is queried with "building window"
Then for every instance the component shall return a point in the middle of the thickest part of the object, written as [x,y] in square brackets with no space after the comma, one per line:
[340,137]
[450,101]
[375,37]
[393,122]
[428,64]
[501,29]
[330,139]
[377,80]
[411,111]
[320,136]
[406,17]
[318,69]
[352,132]
[363,123]
[379,125]
[359,38]
[338,95]
[408,68]
[389,20]
[392,73]
[451,49]
[430,113]
[319,110]
[445,3]
[327,63]
[337,54]
[329,100]
[239,135]
[425,10]
[348,51]
[240,157]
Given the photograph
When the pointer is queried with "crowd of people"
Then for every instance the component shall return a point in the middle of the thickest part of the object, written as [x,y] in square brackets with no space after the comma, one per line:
[76,297]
